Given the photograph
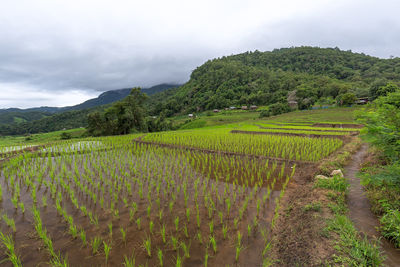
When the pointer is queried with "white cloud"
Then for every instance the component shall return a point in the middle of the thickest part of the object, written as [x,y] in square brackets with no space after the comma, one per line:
[24,96]
[101,45]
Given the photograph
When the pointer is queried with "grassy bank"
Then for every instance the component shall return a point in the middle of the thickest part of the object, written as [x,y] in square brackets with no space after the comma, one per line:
[381,181]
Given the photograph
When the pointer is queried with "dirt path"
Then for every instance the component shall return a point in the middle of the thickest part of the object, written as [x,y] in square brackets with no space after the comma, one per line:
[360,211]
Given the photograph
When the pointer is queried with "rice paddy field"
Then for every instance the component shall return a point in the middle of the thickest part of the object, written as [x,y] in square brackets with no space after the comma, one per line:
[201,197]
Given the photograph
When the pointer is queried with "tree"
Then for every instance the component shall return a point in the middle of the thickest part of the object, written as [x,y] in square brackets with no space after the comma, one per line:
[279,108]
[383,124]
[388,88]
[122,117]
[346,99]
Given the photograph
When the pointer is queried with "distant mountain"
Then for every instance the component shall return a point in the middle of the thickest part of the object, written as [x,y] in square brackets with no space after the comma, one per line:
[16,115]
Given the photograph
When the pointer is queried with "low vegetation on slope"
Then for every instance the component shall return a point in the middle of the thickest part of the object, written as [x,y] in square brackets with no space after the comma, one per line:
[381,173]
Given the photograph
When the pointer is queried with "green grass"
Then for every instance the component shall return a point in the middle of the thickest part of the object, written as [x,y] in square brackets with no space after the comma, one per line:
[336,183]
[314,206]
[38,138]
[331,115]
[359,251]
[213,119]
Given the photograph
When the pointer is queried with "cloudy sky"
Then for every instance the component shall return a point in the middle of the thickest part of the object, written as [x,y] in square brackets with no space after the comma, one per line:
[62,52]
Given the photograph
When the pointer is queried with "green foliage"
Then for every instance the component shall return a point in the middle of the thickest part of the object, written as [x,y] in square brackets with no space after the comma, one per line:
[346,99]
[382,123]
[265,78]
[65,136]
[391,226]
[278,108]
[264,113]
[121,118]
[388,175]
[382,88]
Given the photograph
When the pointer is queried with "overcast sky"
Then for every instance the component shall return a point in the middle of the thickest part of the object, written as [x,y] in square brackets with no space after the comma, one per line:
[62,52]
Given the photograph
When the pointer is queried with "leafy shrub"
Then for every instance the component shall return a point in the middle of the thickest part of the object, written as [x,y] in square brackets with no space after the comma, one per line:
[65,136]
[388,175]
[265,113]
[279,108]
[383,125]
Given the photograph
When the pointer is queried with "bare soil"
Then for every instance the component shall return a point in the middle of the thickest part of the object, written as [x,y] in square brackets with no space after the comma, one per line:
[297,236]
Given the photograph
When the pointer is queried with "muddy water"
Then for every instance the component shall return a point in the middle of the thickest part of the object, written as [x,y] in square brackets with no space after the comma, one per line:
[360,211]
[33,253]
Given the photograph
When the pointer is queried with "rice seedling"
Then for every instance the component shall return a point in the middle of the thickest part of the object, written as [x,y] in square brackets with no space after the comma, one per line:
[8,243]
[186,249]
[147,246]
[163,235]
[160,257]
[238,249]
[178,261]
[10,222]
[151,226]
[211,226]
[22,207]
[95,243]
[224,230]
[44,201]
[123,234]
[174,242]
[129,262]
[199,237]
[107,249]
[82,235]
[206,256]
[176,222]
[213,243]
[138,223]
[185,231]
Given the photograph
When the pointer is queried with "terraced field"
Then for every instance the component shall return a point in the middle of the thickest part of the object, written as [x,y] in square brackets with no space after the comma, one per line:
[205,197]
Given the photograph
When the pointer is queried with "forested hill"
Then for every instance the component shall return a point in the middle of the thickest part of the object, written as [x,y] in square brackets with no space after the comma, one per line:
[46,119]
[310,74]
[15,115]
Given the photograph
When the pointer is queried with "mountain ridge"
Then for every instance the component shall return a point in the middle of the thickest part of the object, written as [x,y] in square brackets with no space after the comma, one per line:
[17,115]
